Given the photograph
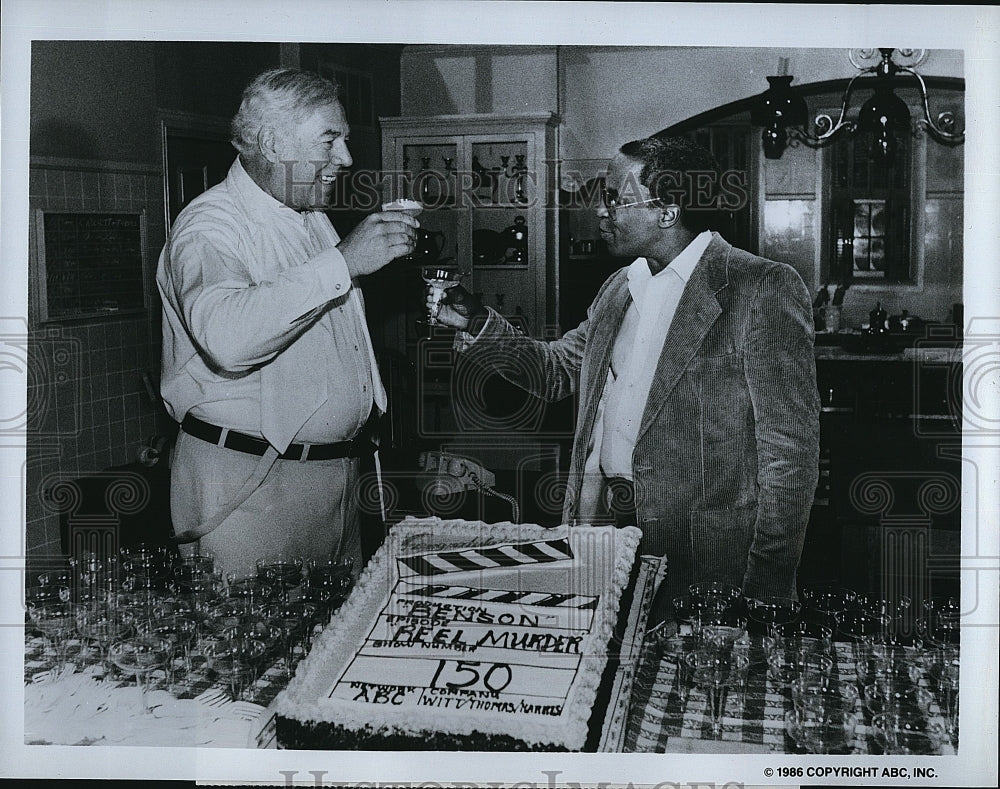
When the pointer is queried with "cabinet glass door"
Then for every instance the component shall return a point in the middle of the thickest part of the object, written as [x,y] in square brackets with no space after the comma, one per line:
[429,173]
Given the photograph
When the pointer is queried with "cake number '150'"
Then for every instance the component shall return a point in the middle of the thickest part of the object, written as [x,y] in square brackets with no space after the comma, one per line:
[494,679]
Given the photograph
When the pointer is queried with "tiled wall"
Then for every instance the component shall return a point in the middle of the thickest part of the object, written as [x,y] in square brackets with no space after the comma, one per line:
[88,404]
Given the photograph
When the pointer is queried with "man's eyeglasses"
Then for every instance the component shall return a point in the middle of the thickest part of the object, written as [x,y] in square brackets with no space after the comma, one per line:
[610,200]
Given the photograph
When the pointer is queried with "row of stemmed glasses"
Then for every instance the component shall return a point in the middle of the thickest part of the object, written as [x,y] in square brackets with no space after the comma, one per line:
[269,614]
[939,633]
[127,603]
[795,640]
[896,670]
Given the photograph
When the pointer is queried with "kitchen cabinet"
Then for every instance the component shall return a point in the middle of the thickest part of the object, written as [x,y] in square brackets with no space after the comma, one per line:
[487,184]
[887,514]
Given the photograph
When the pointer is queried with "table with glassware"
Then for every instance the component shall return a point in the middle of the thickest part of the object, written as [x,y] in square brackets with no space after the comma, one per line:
[145,647]
[833,672]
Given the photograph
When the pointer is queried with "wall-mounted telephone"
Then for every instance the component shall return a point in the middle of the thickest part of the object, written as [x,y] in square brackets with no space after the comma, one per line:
[442,474]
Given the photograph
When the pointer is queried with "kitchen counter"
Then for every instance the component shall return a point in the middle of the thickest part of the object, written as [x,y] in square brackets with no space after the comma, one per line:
[855,346]
[932,354]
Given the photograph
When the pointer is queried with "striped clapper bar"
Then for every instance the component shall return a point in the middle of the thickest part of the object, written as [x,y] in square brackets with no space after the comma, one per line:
[486,558]
[543,599]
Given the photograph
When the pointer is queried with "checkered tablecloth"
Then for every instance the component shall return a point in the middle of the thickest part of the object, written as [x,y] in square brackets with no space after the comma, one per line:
[39,659]
[659,722]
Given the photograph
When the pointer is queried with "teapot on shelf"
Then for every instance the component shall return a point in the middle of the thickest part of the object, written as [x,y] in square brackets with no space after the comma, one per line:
[877,319]
[429,246]
[515,239]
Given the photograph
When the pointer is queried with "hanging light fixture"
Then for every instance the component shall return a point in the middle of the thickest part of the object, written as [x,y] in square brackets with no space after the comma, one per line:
[885,116]
[778,109]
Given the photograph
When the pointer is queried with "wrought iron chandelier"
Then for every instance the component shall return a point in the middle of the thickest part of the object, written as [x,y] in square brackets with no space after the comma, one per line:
[783,112]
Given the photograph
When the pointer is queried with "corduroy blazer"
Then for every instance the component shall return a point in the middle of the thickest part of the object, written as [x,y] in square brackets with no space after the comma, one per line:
[727,454]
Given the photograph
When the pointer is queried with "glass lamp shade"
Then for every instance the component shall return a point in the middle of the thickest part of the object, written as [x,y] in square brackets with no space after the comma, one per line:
[779,103]
[884,116]
[774,138]
[776,109]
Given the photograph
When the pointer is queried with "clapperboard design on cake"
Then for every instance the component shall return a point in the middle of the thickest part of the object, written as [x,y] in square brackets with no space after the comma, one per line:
[494,556]
[445,639]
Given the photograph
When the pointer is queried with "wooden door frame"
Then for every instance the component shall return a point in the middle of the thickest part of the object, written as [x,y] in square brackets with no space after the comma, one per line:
[185,124]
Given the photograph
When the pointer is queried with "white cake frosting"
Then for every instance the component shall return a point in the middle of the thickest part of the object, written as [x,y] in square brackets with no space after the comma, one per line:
[516,647]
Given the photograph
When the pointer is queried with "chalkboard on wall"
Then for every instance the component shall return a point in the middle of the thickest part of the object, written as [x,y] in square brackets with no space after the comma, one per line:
[90,263]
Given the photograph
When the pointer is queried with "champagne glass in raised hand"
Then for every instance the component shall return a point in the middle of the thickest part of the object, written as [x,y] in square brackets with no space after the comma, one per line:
[439,279]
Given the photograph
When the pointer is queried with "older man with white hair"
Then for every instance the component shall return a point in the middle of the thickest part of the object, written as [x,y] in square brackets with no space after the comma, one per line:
[267,361]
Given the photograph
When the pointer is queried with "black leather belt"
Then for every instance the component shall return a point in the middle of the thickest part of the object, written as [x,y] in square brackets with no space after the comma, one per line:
[363,444]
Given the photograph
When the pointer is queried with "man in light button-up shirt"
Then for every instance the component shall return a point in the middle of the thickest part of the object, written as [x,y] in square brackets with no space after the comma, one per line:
[264,338]
[696,380]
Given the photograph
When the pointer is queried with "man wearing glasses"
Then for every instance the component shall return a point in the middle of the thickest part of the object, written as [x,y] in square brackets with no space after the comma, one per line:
[698,414]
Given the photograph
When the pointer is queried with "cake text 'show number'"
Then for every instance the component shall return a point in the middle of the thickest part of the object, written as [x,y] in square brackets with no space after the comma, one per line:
[495,679]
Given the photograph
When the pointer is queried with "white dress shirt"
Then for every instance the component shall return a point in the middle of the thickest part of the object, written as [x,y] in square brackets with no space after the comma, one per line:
[636,354]
[263,329]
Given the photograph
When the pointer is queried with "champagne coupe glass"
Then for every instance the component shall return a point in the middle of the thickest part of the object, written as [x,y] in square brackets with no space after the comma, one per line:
[674,648]
[861,630]
[45,595]
[58,578]
[723,629]
[195,596]
[902,733]
[829,598]
[772,612]
[716,596]
[235,660]
[717,674]
[941,668]
[806,634]
[881,698]
[259,629]
[140,656]
[255,588]
[438,280]
[282,571]
[829,731]
[816,694]
[893,608]
[203,561]
[692,610]
[56,621]
[179,631]
[787,663]
[148,565]
[323,599]
[230,612]
[103,625]
[335,575]
[294,619]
